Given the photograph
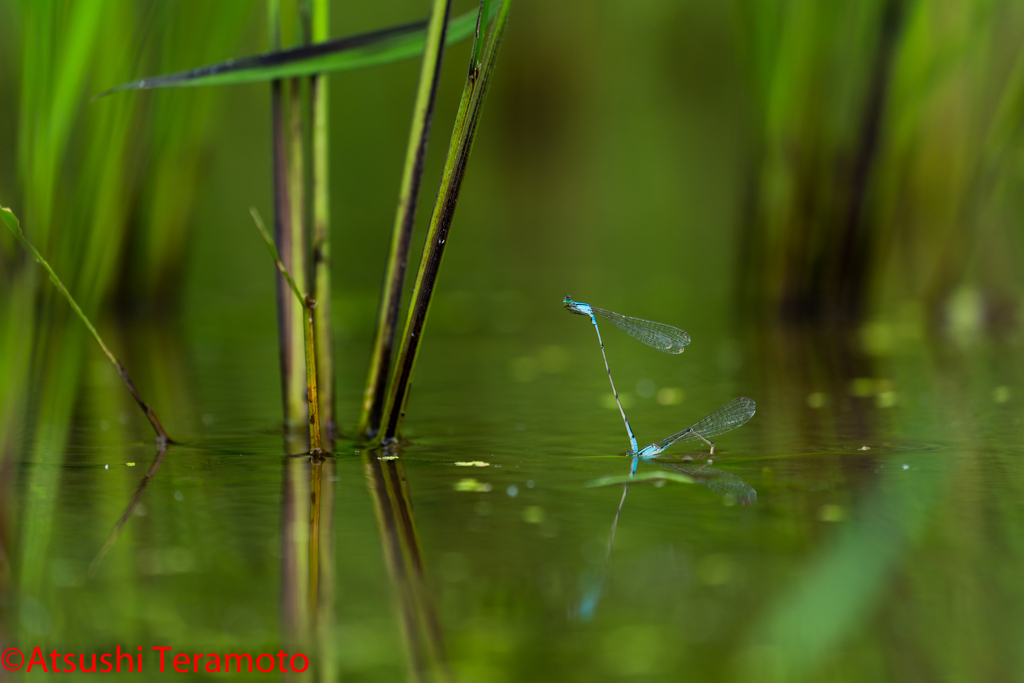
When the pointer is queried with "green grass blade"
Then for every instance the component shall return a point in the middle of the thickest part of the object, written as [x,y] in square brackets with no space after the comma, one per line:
[272,248]
[463,133]
[14,225]
[352,52]
[405,218]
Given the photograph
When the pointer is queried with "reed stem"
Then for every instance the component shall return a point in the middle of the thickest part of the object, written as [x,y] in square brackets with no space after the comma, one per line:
[289,322]
[463,134]
[319,94]
[405,218]
[15,227]
[308,306]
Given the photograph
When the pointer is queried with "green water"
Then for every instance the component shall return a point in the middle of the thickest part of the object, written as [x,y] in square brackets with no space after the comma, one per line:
[884,542]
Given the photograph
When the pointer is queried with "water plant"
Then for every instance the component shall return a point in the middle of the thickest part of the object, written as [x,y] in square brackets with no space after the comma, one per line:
[484,55]
[290,234]
[14,225]
[405,216]
[308,305]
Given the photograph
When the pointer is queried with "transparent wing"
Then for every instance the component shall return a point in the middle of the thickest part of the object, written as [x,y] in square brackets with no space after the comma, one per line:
[656,335]
[733,414]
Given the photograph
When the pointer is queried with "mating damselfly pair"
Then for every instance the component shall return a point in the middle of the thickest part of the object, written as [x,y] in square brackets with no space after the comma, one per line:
[667,339]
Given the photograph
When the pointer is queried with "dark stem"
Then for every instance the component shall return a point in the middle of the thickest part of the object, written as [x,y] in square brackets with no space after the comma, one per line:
[466,122]
[405,218]
[150,415]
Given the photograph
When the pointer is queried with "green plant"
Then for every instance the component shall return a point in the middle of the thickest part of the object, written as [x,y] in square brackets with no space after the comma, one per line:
[405,217]
[14,226]
[467,119]
[308,305]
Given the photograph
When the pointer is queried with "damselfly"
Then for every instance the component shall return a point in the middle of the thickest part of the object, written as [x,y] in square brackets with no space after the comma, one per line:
[656,335]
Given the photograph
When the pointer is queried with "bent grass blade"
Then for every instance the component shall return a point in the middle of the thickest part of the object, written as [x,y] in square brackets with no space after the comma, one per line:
[14,225]
[341,54]
[308,305]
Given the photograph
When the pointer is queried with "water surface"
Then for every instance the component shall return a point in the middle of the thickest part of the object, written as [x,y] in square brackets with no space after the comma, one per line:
[863,526]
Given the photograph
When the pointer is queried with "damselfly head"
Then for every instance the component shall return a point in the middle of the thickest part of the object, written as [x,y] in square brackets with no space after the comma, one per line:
[572,306]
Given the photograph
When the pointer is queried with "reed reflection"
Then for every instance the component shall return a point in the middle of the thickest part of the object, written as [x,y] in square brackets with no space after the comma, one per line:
[296,565]
[421,629]
[307,565]
[321,564]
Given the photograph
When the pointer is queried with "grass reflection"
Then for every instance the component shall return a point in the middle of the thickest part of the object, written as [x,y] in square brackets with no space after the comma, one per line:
[421,629]
[161,451]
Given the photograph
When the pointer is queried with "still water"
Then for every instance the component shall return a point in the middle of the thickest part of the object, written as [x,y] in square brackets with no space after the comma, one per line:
[864,525]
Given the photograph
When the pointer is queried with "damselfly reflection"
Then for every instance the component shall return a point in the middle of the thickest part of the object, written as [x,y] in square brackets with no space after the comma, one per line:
[726,484]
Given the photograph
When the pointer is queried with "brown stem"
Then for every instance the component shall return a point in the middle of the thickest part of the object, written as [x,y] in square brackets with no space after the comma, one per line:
[311,392]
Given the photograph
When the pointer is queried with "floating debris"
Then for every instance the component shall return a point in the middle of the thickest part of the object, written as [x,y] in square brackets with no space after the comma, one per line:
[472,485]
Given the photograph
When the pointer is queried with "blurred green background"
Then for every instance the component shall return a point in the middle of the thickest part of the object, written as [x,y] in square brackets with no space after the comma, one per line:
[825,195]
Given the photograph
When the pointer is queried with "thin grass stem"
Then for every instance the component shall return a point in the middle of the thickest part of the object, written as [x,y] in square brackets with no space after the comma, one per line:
[405,217]
[463,134]
[308,305]
[15,227]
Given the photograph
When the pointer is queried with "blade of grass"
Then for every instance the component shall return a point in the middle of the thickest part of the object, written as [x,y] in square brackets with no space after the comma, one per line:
[15,227]
[405,217]
[466,122]
[319,95]
[308,305]
[342,54]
